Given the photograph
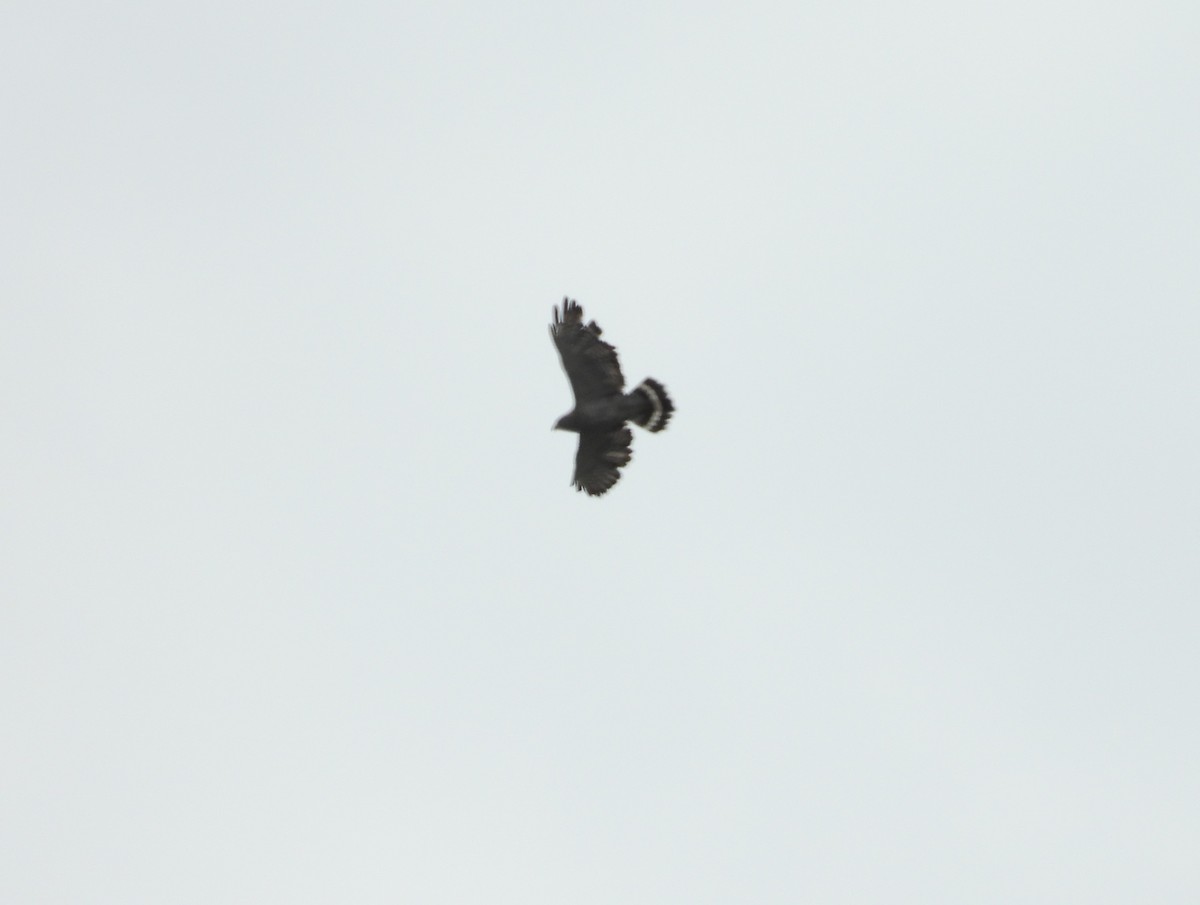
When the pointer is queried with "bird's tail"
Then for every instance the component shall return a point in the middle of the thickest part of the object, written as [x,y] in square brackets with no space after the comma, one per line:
[658,408]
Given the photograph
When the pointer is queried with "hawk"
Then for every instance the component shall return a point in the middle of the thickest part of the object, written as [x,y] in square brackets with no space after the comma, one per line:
[601,406]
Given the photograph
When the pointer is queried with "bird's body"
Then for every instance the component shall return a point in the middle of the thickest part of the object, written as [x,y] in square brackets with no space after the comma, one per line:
[602,413]
[602,408]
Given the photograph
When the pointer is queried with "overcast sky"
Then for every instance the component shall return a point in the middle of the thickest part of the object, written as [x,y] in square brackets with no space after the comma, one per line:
[298,604]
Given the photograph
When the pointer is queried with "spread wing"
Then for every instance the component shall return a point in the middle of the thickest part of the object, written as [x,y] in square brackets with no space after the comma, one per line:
[590,362]
[600,454]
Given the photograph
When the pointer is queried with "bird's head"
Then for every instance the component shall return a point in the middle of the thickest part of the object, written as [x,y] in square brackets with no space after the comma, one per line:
[565,423]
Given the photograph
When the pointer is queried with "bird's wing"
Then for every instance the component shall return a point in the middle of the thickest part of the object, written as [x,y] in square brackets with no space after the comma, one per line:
[590,362]
[600,454]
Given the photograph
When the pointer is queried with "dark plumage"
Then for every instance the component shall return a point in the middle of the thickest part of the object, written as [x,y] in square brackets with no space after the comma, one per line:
[601,406]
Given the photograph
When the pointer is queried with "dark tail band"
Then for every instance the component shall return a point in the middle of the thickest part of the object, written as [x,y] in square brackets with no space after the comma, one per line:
[660,408]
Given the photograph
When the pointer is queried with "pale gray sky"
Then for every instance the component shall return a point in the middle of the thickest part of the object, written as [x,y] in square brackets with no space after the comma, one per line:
[298,604]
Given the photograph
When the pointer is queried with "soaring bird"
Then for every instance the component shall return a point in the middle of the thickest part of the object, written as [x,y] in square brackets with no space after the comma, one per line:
[601,405]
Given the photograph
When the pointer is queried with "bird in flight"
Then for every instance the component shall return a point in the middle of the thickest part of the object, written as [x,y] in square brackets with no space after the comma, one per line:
[601,405]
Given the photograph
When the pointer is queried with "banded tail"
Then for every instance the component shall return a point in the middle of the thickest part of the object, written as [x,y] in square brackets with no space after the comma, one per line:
[658,408]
